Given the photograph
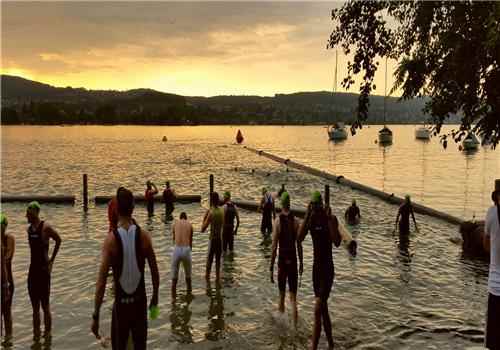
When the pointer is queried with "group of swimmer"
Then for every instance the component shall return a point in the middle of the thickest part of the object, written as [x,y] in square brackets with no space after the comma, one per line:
[128,247]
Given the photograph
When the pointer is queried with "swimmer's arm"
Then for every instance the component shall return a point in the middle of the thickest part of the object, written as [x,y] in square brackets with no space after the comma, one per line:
[333,224]
[11,247]
[358,212]
[155,189]
[206,221]
[100,287]
[191,238]
[237,220]
[153,266]
[299,249]
[276,237]
[274,211]
[51,233]
[487,234]
[304,226]
[413,216]
[173,232]
[397,217]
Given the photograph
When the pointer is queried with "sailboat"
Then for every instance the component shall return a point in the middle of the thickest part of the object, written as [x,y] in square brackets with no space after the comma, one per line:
[337,131]
[470,143]
[385,134]
[423,133]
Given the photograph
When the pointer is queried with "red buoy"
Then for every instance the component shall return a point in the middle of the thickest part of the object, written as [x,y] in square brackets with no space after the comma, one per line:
[239,137]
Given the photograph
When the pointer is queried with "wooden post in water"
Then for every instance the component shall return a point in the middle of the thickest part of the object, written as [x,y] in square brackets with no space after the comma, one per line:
[85,193]
[211,188]
[327,195]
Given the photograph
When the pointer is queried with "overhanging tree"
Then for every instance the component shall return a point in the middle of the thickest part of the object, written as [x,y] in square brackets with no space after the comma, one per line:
[447,51]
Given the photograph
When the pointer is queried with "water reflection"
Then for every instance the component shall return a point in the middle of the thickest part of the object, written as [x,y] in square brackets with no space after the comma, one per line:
[180,317]
[216,323]
[404,256]
[39,345]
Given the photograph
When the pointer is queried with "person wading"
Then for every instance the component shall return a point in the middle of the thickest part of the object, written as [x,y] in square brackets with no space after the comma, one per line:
[285,234]
[324,230]
[229,231]
[169,199]
[39,234]
[214,217]
[352,214]
[492,245]
[151,192]
[8,247]
[126,250]
[182,236]
[268,212]
[404,211]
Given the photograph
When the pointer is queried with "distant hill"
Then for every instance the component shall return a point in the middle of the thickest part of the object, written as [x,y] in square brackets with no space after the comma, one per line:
[27,101]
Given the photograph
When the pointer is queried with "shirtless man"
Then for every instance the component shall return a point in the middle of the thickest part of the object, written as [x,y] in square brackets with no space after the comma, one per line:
[182,236]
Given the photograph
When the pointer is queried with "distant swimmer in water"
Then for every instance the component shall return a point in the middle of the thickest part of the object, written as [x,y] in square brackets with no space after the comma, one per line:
[126,250]
[214,217]
[352,214]
[182,236]
[285,234]
[39,233]
[8,247]
[268,212]
[229,230]
[404,211]
[151,191]
[169,199]
[324,229]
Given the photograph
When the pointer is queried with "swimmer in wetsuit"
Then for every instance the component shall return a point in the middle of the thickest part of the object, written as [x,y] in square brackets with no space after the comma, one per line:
[324,230]
[285,234]
[39,233]
[352,214]
[126,251]
[268,212]
[151,191]
[8,247]
[404,211]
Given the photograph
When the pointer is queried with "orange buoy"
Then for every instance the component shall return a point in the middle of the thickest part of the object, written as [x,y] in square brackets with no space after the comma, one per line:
[239,137]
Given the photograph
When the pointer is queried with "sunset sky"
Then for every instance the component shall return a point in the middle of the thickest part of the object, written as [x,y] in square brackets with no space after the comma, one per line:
[203,48]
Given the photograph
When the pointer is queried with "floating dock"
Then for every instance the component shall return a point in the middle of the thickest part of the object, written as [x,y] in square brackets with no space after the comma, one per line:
[186,198]
[388,197]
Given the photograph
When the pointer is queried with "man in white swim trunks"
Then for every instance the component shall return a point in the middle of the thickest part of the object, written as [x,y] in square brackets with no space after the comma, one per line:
[182,235]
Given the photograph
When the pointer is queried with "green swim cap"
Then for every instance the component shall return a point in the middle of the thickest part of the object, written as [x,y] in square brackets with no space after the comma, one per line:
[316,197]
[285,200]
[34,205]
[227,194]
[407,197]
[3,219]
[264,190]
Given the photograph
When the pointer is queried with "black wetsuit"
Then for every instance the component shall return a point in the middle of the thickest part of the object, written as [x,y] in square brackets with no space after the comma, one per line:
[168,198]
[266,226]
[323,269]
[129,310]
[39,274]
[352,213]
[7,302]
[287,257]
[228,228]
[404,222]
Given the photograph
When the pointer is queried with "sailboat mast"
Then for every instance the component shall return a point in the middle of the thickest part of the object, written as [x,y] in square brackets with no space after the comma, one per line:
[335,78]
[385,88]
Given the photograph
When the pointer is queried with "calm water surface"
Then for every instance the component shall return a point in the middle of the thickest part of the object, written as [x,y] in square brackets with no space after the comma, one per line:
[397,293]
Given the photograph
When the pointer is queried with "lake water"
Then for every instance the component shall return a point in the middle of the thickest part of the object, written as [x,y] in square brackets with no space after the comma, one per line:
[419,292]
